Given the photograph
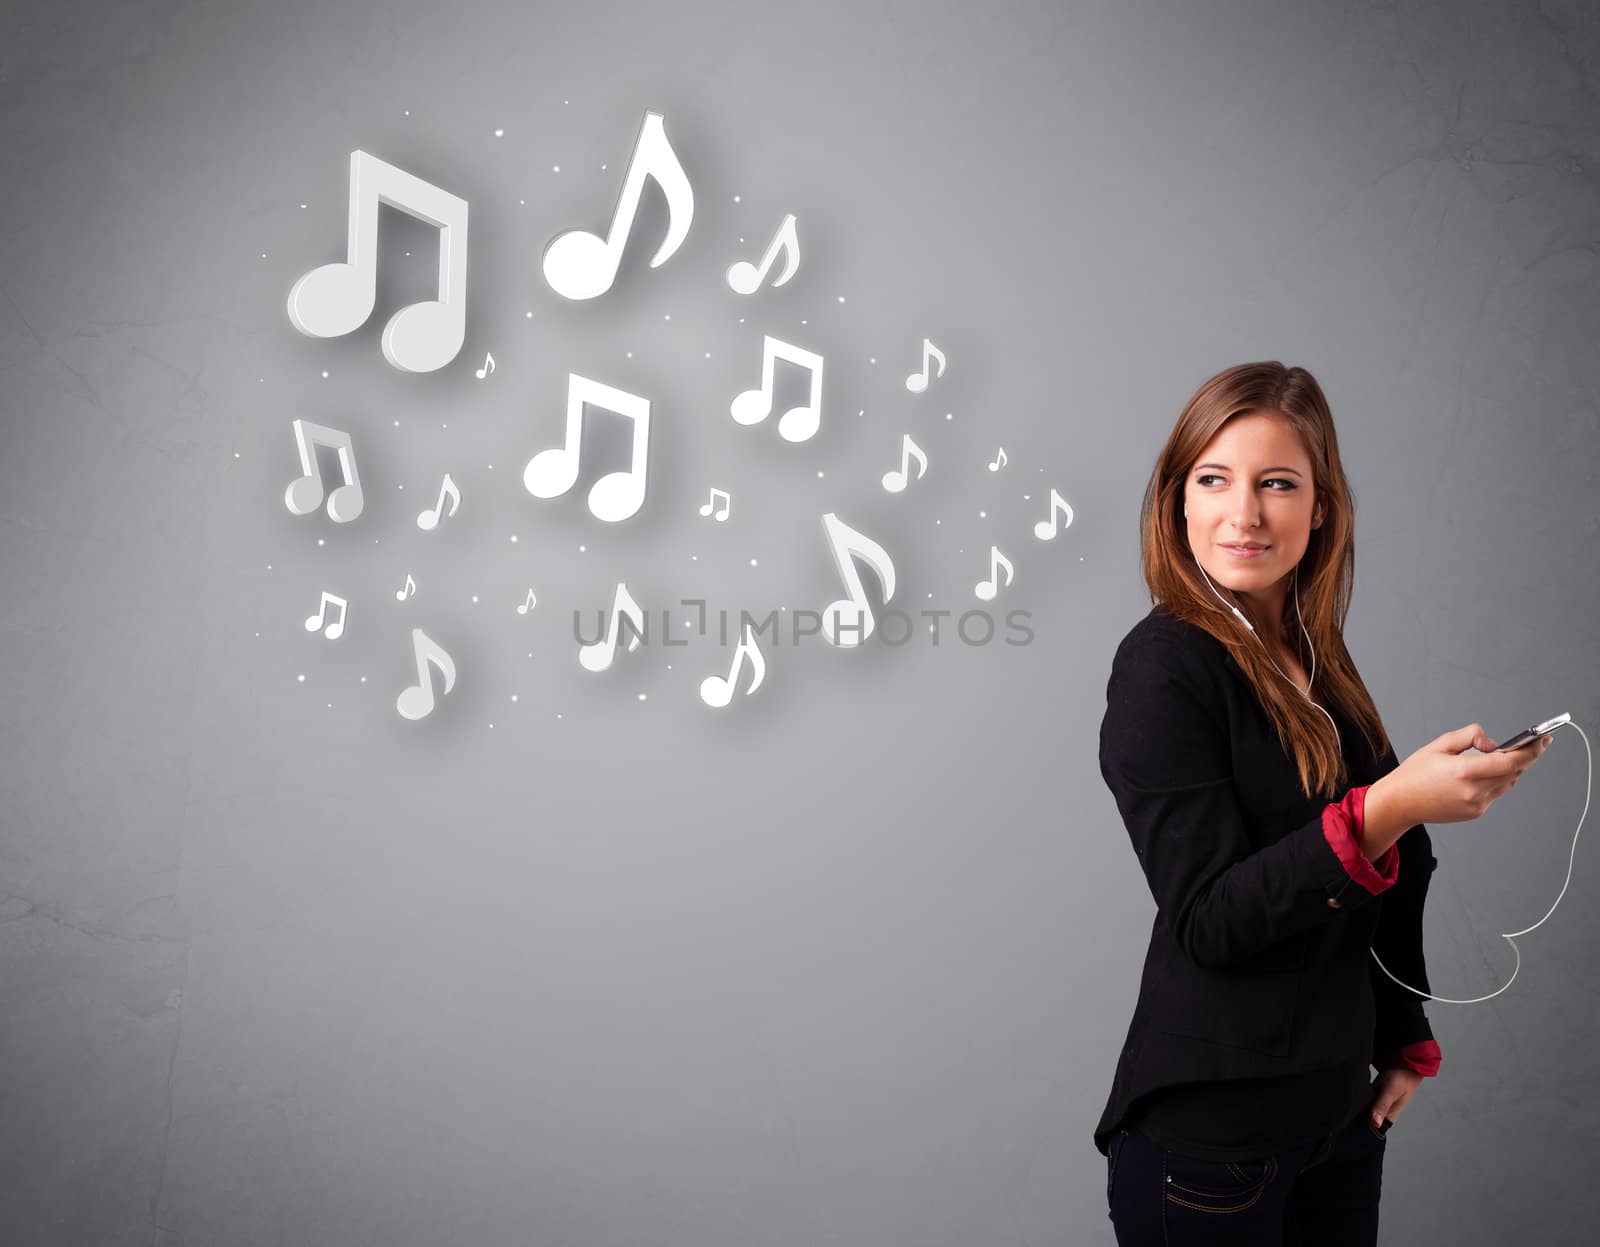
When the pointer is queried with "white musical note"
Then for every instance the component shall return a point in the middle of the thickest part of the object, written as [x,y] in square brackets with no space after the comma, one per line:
[895,481]
[488,366]
[617,495]
[986,589]
[528,603]
[428,520]
[416,701]
[727,501]
[1047,528]
[917,382]
[334,630]
[717,691]
[304,495]
[581,265]
[745,278]
[405,590]
[599,655]
[798,424]
[849,621]
[999,461]
[336,298]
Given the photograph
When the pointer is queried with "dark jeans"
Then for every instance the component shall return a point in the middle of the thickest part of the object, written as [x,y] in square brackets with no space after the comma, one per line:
[1323,1192]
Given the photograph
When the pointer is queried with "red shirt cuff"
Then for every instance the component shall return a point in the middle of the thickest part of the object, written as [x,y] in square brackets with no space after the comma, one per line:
[1342,828]
[1421,1057]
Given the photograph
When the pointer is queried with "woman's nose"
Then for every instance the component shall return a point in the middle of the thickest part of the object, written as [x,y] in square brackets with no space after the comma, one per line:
[1247,510]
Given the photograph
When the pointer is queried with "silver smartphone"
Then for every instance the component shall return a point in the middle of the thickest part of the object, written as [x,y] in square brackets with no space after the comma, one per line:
[1532,734]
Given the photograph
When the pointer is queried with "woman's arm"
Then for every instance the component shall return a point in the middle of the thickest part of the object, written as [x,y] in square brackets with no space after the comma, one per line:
[1402,1036]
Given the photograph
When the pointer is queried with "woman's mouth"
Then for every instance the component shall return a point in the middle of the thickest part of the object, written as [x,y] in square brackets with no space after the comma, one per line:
[1246,552]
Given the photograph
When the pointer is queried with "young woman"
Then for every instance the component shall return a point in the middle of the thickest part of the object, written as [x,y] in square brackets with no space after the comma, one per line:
[1280,836]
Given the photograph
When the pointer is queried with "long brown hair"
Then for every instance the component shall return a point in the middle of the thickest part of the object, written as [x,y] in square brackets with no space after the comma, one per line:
[1326,571]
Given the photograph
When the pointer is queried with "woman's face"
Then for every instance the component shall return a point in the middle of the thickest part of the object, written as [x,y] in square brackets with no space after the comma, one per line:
[1251,485]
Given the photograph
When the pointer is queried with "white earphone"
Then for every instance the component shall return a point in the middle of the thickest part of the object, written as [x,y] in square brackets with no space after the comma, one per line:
[1304,692]
[1509,936]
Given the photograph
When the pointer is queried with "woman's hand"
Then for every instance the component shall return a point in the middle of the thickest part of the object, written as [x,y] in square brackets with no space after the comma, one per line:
[1442,783]
[1393,1088]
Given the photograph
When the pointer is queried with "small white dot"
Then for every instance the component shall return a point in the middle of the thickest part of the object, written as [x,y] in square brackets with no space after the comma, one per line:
[260,378]
[581,549]
[301,678]
[873,360]
[630,354]
[642,696]
[938,521]
[949,415]
[819,474]
[474,597]
[236,454]
[741,320]
[694,558]
[269,567]
[668,316]
[602,170]
[930,595]
[558,713]
[491,467]
[527,315]
[319,541]
[513,538]
[263,255]
[363,679]
[408,253]
[841,298]
[862,412]
[258,634]
[523,202]
[324,374]
[499,134]
[741,240]
[555,168]
[330,705]
[566,101]
[399,486]
[302,205]
[708,356]
[513,697]
[397,424]
[752,562]
[491,727]
[983,515]
[408,112]
[736,199]
[669,666]
[802,322]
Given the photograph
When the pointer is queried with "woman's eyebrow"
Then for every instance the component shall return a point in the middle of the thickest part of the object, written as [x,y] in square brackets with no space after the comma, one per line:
[1282,467]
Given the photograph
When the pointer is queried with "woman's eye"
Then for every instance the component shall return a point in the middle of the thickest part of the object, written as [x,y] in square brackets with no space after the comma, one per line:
[1211,476]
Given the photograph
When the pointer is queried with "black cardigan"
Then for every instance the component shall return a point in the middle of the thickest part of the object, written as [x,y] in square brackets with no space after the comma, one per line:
[1250,971]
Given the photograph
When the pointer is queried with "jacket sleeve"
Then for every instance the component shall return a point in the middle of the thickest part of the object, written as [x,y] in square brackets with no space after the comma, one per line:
[1402,1036]
[1165,755]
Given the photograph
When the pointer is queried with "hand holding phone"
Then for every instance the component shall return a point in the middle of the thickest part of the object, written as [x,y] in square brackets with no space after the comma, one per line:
[1528,735]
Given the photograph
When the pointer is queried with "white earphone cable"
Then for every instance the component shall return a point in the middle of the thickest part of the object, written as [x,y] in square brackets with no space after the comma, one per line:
[1509,937]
